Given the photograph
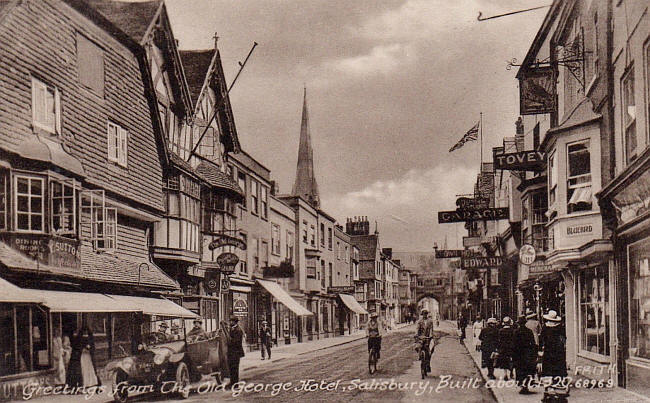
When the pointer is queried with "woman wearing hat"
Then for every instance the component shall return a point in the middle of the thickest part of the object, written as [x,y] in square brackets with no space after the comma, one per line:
[524,355]
[553,345]
[533,324]
[504,359]
[489,341]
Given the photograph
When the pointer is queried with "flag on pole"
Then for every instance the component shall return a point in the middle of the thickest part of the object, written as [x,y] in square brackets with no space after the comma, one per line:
[471,135]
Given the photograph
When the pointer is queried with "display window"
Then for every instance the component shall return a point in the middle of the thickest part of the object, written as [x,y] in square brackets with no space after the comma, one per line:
[594,313]
[639,295]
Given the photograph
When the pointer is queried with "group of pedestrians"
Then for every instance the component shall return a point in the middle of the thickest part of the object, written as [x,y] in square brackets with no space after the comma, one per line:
[523,350]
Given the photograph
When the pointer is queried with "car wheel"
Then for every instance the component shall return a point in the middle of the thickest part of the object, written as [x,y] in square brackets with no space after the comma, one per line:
[120,387]
[183,380]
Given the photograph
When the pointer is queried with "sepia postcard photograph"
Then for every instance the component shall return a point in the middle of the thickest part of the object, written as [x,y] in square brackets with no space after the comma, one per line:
[325,201]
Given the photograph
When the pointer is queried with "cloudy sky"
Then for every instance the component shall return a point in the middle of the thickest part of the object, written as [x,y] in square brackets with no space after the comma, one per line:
[391,86]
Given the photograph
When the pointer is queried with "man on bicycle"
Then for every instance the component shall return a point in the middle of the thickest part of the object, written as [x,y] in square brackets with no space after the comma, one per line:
[425,332]
[374,333]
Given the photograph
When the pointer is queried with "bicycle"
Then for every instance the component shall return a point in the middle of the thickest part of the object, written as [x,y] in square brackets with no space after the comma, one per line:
[424,355]
[373,357]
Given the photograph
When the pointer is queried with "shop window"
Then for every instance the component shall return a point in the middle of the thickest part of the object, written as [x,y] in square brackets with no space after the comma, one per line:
[629,116]
[578,177]
[29,214]
[46,107]
[639,275]
[275,239]
[594,310]
[118,144]
[63,202]
[24,341]
[90,64]
[4,197]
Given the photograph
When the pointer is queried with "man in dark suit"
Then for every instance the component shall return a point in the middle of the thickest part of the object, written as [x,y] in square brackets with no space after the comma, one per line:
[235,350]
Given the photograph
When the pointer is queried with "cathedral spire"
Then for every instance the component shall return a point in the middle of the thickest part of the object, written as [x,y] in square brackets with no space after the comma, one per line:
[305,185]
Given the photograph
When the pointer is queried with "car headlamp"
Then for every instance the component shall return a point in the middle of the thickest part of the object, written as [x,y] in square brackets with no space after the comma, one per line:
[159,358]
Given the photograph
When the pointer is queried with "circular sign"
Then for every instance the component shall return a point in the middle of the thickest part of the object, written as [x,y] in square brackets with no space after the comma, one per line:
[212,284]
[225,285]
[527,254]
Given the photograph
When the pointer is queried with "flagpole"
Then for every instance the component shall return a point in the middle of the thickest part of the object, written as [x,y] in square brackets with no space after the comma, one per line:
[481,136]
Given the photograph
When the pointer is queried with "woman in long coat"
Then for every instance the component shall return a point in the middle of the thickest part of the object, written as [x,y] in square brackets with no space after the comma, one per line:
[524,356]
[489,342]
[553,345]
[505,348]
[82,370]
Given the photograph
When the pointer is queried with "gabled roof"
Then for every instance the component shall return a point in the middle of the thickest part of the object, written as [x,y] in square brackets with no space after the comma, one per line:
[132,18]
[196,64]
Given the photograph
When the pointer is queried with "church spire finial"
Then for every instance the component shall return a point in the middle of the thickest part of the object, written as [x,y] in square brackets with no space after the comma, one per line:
[305,185]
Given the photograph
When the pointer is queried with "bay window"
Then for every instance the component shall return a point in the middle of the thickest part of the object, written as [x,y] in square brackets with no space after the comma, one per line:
[63,205]
[30,214]
[218,213]
[593,286]
[578,177]
[182,205]
[629,116]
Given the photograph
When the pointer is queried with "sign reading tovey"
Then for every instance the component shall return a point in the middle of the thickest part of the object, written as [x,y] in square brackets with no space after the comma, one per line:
[481,262]
[488,214]
[521,161]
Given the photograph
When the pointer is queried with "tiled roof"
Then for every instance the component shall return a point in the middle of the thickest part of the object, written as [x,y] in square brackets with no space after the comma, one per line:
[216,178]
[179,162]
[196,64]
[114,269]
[367,245]
[96,267]
[132,18]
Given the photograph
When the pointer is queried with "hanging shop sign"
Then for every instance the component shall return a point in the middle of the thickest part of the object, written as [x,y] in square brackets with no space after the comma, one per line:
[527,254]
[452,253]
[227,240]
[538,269]
[227,259]
[520,161]
[481,214]
[225,285]
[481,262]
[211,282]
[344,289]
[60,254]
[284,270]
[472,203]
[240,307]
[537,92]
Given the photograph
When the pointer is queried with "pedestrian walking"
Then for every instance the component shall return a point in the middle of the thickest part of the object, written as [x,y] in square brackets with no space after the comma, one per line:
[265,339]
[476,330]
[82,370]
[462,326]
[533,324]
[524,357]
[553,346]
[505,348]
[489,341]
[235,350]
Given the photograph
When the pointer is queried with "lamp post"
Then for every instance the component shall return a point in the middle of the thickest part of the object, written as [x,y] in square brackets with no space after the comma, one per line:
[538,288]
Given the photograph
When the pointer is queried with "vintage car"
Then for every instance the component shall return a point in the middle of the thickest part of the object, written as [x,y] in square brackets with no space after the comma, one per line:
[167,363]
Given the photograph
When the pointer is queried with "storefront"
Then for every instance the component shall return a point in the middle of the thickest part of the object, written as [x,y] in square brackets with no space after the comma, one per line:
[281,311]
[349,312]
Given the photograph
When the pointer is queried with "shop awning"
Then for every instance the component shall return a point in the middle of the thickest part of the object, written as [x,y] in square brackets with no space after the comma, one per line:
[153,306]
[282,296]
[70,301]
[352,304]
[12,293]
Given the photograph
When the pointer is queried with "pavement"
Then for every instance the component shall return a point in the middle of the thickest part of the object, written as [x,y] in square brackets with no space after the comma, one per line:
[578,395]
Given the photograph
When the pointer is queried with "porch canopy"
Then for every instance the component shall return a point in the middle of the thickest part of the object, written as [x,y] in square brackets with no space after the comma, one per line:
[282,296]
[153,306]
[352,304]
[15,294]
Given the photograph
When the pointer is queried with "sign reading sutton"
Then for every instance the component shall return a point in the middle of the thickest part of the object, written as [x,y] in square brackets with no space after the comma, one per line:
[483,214]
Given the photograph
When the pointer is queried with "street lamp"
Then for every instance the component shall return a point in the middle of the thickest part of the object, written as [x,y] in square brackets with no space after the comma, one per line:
[538,288]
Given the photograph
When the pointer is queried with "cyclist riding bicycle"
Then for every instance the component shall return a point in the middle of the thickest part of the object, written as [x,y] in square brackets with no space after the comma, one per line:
[425,333]
[373,331]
